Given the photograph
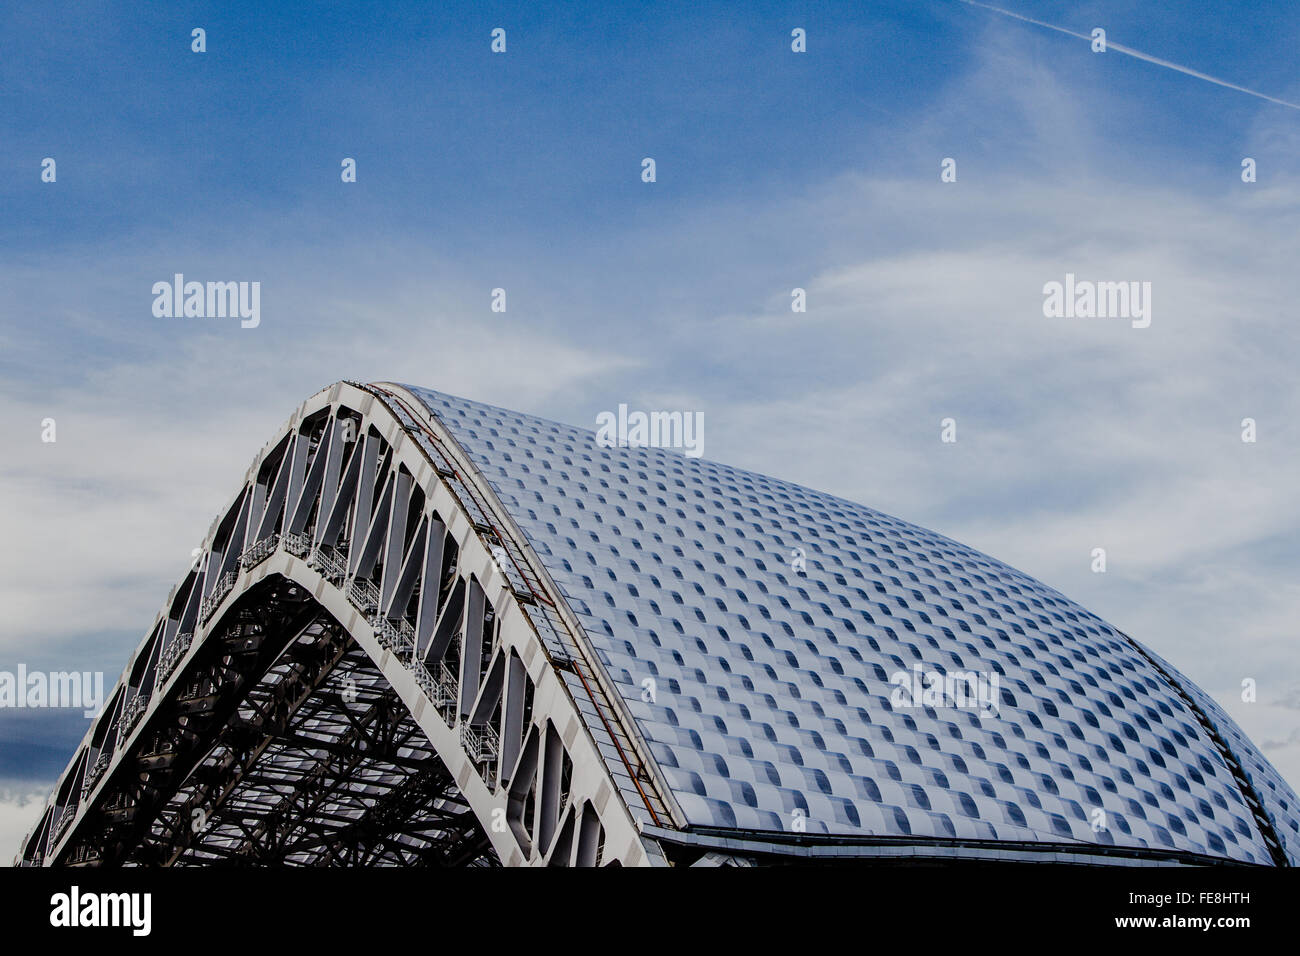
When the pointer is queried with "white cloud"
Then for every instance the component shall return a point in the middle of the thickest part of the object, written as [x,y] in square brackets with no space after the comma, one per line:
[20,808]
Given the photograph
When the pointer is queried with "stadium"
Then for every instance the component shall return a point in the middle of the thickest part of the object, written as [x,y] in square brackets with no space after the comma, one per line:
[431,632]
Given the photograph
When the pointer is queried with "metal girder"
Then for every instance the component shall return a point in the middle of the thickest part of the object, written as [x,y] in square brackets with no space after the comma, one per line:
[351,674]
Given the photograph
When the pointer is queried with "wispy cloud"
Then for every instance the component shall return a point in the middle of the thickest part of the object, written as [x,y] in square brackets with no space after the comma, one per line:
[1137,54]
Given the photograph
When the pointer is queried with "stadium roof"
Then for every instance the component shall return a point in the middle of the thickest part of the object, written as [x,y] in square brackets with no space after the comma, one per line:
[429,631]
[774,687]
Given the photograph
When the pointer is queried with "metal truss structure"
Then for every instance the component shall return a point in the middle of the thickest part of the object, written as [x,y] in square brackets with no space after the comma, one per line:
[429,632]
[362,668]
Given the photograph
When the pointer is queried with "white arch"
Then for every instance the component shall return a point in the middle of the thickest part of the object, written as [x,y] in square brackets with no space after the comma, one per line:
[362,499]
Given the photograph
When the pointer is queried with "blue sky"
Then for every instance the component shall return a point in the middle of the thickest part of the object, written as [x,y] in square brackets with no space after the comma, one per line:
[775,170]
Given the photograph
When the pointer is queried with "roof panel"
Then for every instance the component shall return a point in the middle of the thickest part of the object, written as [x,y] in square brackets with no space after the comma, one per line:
[784,631]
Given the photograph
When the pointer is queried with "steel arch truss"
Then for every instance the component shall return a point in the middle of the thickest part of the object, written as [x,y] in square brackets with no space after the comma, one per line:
[365,666]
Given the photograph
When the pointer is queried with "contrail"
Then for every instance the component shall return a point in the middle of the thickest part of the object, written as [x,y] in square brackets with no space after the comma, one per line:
[1138,54]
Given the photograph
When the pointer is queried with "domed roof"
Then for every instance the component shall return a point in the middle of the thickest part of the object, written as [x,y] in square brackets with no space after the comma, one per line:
[797,662]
